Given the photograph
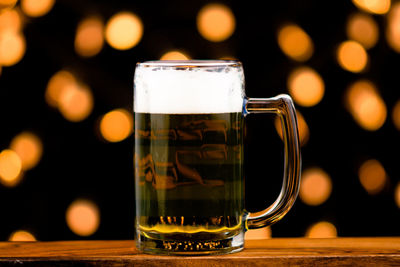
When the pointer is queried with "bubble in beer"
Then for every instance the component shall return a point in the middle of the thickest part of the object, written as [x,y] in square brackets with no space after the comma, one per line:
[124,30]
[216,22]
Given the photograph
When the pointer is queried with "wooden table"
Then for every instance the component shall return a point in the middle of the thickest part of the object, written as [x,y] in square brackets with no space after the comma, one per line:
[270,252]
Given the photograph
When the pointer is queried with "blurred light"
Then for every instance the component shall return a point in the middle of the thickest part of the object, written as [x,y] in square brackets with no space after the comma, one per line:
[372,176]
[7,4]
[83,217]
[10,20]
[174,55]
[10,166]
[363,29]
[36,8]
[373,6]
[216,22]
[396,115]
[322,230]
[352,56]
[124,30]
[306,86]
[56,85]
[295,42]
[12,48]
[261,233]
[29,149]
[76,102]
[393,28]
[397,195]
[365,105]
[316,186]
[89,37]
[304,132]
[116,125]
[21,236]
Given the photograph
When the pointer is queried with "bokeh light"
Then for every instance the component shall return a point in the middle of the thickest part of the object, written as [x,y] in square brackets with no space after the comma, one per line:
[116,125]
[22,236]
[124,30]
[174,55]
[322,230]
[397,195]
[396,115]
[352,56]
[59,82]
[393,28]
[306,86]
[7,4]
[10,166]
[216,22]
[365,105]
[304,132]
[12,48]
[295,42]
[83,217]
[36,8]
[316,186]
[261,233]
[10,20]
[29,149]
[89,38]
[76,102]
[373,6]
[363,29]
[372,176]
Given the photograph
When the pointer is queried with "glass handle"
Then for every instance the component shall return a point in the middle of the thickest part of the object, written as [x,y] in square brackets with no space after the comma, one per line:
[283,106]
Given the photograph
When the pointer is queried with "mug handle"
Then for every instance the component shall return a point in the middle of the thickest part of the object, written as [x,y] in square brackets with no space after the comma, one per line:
[283,106]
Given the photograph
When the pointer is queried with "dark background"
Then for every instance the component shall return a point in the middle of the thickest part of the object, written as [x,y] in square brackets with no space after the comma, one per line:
[77,164]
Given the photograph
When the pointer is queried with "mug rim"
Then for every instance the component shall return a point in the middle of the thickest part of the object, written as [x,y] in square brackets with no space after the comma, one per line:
[196,63]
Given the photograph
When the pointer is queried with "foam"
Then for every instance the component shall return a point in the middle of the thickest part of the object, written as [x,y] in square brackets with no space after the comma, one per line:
[188,90]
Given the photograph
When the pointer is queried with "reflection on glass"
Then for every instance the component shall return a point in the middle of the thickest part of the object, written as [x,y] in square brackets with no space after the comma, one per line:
[216,22]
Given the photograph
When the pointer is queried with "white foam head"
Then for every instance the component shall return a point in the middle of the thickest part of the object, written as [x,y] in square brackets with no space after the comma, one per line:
[189,87]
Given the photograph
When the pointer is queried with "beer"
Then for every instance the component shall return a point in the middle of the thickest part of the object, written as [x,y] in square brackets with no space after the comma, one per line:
[189,177]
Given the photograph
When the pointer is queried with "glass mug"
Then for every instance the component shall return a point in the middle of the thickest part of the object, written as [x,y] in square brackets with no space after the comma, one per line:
[188,157]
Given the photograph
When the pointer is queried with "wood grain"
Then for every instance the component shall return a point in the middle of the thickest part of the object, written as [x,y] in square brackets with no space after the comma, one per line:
[382,251]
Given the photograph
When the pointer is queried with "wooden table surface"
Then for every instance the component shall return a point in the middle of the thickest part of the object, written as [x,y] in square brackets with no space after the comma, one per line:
[377,251]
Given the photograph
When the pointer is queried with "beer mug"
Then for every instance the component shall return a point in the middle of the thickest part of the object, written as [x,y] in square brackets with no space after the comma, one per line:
[188,157]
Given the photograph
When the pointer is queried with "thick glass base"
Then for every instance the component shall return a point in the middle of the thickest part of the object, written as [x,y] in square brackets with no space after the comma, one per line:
[176,244]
